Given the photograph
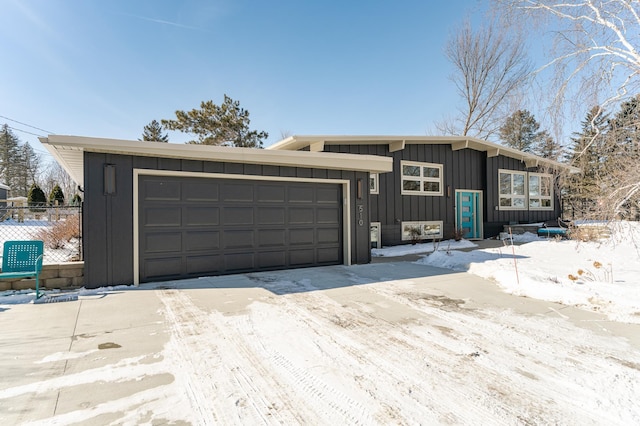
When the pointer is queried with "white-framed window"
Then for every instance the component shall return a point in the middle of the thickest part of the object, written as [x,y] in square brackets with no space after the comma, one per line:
[512,190]
[420,230]
[421,178]
[540,191]
[373,183]
[376,241]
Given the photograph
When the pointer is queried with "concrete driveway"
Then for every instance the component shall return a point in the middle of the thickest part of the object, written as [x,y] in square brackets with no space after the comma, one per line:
[390,342]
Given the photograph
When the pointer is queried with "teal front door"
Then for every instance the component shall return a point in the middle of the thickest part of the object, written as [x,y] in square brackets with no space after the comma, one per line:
[469,213]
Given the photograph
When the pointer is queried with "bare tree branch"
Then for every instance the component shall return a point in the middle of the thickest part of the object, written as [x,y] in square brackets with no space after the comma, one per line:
[488,67]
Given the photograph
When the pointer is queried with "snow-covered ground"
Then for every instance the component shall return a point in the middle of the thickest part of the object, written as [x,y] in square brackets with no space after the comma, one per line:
[601,276]
[286,348]
[31,230]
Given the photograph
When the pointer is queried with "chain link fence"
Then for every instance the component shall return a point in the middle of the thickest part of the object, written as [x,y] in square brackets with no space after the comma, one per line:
[60,227]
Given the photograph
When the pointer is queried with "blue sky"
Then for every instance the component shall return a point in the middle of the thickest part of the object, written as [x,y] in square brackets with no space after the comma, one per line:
[107,68]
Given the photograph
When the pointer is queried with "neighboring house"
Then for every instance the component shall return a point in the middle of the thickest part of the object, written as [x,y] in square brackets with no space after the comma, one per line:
[157,212]
[4,194]
[443,185]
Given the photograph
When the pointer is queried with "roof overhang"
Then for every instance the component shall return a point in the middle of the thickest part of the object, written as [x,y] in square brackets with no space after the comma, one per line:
[397,143]
[69,153]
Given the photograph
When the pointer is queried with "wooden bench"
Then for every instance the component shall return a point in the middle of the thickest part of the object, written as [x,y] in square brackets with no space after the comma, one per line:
[23,259]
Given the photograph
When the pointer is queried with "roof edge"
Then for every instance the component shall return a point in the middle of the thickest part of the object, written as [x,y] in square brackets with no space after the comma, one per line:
[68,151]
[297,142]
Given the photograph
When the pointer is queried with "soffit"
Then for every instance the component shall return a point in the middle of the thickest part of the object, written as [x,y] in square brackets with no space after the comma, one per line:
[69,153]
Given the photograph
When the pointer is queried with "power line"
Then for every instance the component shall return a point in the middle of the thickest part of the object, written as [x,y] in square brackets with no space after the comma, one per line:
[25,124]
[23,131]
[35,149]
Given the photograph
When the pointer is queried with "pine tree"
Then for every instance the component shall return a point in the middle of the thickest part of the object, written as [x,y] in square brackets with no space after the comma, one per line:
[153,133]
[521,131]
[622,156]
[76,200]
[227,124]
[56,195]
[624,131]
[547,147]
[587,153]
[36,197]
[29,167]
[9,158]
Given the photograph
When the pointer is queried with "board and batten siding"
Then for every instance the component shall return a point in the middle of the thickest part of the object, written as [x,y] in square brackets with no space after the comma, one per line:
[108,219]
[495,219]
[462,169]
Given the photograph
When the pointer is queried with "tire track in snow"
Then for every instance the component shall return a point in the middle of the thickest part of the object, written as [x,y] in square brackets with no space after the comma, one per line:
[201,390]
[359,342]
[529,349]
[320,399]
[266,387]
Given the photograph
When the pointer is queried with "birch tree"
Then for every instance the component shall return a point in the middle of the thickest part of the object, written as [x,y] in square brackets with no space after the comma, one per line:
[593,50]
[593,59]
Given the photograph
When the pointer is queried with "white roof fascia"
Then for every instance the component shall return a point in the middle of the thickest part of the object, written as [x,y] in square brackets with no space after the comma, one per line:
[457,142]
[69,152]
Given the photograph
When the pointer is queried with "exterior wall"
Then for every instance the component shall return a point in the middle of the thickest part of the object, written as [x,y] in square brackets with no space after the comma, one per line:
[495,219]
[64,275]
[108,219]
[462,169]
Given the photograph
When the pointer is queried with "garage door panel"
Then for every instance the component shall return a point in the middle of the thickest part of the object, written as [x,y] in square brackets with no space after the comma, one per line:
[272,238]
[163,216]
[202,240]
[273,259]
[270,215]
[164,267]
[302,257]
[328,216]
[300,194]
[301,216]
[328,195]
[237,192]
[237,239]
[162,190]
[300,236]
[238,216]
[203,264]
[222,226]
[328,236]
[202,216]
[327,255]
[163,242]
[201,191]
[238,262]
[271,194]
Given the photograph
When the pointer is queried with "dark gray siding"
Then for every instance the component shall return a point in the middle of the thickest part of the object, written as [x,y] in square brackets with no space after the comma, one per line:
[108,219]
[463,169]
[496,219]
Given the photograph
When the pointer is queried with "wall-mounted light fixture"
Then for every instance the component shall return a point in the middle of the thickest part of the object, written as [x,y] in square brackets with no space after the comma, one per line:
[359,188]
[448,191]
[109,173]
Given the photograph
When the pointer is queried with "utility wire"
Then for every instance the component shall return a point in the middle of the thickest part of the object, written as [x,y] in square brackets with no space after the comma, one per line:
[25,124]
[23,131]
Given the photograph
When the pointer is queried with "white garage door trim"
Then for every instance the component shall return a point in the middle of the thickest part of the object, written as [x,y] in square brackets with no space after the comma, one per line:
[346,210]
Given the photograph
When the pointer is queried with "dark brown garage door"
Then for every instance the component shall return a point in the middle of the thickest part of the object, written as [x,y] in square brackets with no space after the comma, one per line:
[207,226]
